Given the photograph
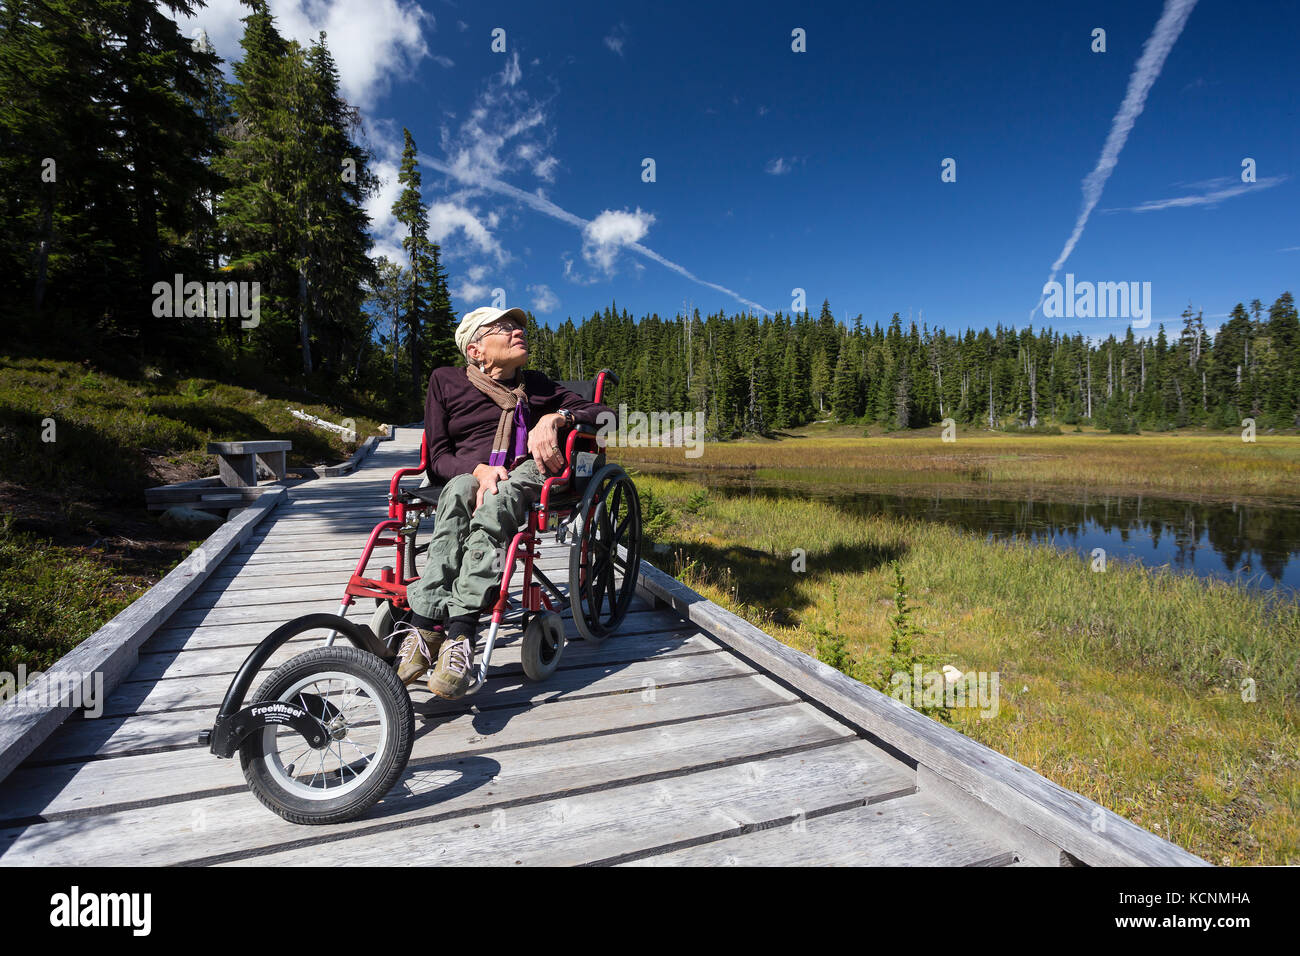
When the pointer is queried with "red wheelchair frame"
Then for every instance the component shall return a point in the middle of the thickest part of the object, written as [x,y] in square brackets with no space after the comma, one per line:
[595,508]
[561,497]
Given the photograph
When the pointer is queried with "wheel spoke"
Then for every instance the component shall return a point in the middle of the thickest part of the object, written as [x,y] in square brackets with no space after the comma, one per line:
[611,590]
[364,756]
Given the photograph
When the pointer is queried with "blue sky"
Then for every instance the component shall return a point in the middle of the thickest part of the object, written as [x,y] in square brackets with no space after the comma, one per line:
[820,170]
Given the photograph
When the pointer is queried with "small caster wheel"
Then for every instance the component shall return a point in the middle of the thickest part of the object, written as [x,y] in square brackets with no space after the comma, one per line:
[543,643]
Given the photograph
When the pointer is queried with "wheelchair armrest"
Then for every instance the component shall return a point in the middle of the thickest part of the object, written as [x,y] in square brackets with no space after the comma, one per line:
[584,429]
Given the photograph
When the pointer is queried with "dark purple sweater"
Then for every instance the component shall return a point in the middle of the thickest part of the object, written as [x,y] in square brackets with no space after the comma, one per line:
[460,422]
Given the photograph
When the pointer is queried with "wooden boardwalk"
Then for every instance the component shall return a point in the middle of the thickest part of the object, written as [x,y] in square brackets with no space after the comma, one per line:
[660,746]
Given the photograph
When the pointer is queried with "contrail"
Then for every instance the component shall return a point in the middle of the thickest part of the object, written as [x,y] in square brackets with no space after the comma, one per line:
[548,208]
[1168,28]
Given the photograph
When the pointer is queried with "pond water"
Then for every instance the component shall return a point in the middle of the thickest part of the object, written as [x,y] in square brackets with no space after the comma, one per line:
[1257,546]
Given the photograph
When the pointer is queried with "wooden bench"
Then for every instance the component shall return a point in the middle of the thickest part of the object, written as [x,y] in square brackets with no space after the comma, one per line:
[237,460]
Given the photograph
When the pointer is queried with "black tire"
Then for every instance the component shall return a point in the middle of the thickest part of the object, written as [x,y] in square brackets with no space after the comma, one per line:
[602,582]
[387,719]
[542,645]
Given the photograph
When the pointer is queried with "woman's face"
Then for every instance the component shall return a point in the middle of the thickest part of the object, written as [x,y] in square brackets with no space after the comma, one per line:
[502,345]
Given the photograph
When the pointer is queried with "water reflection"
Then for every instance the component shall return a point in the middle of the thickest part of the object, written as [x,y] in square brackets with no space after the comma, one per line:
[1254,545]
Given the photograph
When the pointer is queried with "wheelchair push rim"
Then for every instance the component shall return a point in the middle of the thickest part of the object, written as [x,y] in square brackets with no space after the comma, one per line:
[606,559]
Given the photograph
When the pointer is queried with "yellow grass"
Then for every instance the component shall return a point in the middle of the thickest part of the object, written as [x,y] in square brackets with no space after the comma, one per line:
[1218,466]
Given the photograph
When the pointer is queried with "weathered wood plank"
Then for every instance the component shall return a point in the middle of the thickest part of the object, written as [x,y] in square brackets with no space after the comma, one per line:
[248,447]
[185,639]
[109,736]
[206,691]
[609,823]
[434,785]
[909,831]
[83,787]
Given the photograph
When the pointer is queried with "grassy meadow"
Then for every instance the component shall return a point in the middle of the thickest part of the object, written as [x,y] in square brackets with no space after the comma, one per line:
[1130,686]
[1186,464]
[78,446]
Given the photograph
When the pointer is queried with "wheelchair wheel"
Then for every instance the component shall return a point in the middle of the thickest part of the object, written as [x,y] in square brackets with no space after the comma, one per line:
[606,556]
[365,714]
[543,643]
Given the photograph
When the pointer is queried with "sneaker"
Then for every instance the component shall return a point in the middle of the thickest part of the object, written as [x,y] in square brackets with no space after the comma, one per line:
[451,678]
[418,651]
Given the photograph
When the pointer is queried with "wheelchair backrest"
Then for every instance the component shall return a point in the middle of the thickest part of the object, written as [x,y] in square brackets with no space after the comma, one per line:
[585,390]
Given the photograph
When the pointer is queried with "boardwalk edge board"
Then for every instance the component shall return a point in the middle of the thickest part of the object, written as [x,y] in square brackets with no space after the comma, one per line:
[360,455]
[1025,800]
[111,653]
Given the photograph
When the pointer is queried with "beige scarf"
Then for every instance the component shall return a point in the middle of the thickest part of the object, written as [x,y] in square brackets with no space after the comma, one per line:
[511,441]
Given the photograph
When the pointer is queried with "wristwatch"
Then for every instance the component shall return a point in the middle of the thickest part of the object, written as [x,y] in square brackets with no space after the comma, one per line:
[569,419]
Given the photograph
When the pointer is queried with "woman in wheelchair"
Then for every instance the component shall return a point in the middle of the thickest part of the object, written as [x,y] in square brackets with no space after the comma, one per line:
[492,430]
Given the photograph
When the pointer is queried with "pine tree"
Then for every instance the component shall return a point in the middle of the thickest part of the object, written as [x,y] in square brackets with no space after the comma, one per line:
[257,211]
[1283,361]
[903,397]
[103,154]
[428,316]
[844,388]
[338,267]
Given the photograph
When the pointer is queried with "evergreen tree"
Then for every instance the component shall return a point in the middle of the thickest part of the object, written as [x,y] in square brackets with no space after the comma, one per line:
[257,211]
[428,318]
[103,156]
[1282,364]
[844,389]
[337,268]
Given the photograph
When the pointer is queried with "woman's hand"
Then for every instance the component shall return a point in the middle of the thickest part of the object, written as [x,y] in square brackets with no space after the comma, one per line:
[544,444]
[488,476]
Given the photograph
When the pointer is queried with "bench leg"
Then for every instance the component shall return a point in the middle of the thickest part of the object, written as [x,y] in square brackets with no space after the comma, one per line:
[237,471]
[275,461]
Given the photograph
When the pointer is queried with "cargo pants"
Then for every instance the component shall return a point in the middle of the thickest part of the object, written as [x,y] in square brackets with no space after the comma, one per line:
[462,570]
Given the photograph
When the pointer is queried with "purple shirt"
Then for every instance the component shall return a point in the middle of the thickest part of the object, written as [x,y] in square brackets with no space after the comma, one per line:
[460,422]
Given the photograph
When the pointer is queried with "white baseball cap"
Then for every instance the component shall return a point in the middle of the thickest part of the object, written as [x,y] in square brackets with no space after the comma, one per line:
[473,321]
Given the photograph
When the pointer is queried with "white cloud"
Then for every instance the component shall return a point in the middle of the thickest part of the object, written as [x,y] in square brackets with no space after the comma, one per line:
[617,36]
[391,251]
[470,291]
[1145,73]
[380,206]
[477,273]
[573,275]
[546,169]
[544,300]
[778,166]
[512,73]
[609,232]
[480,154]
[1216,190]
[446,218]
[505,129]
[372,41]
